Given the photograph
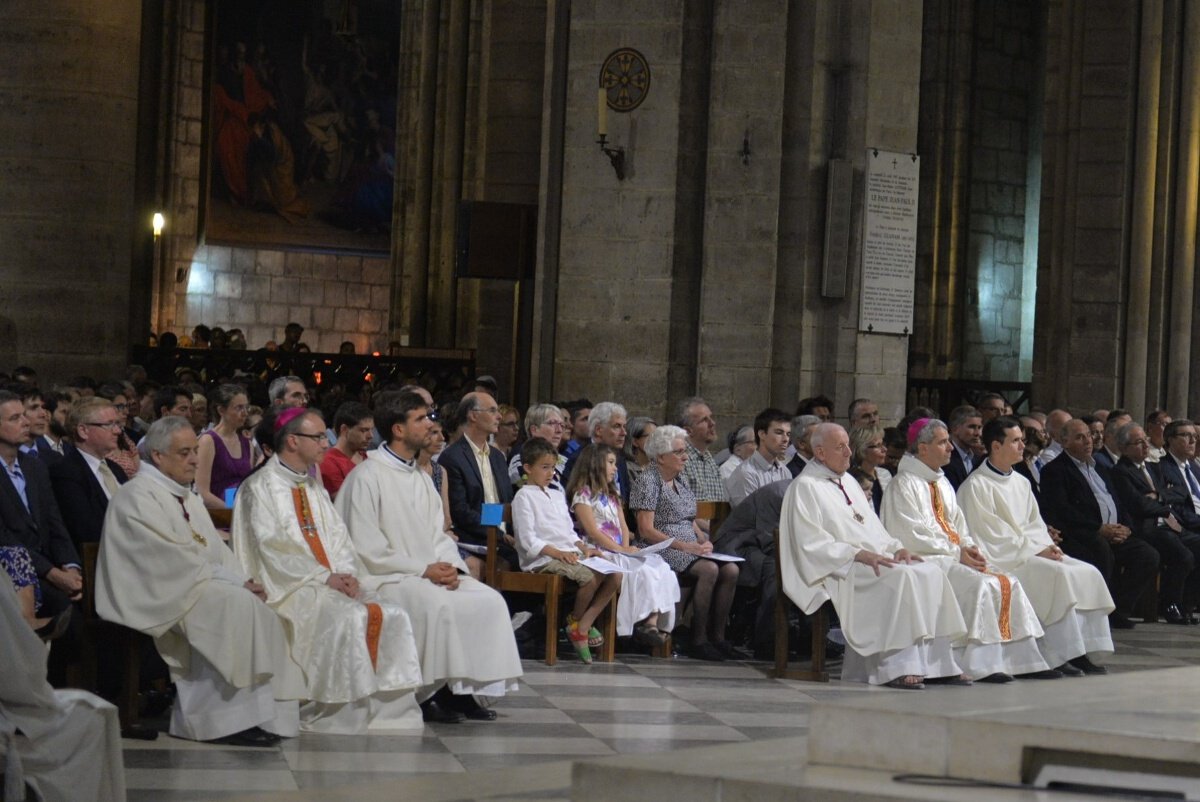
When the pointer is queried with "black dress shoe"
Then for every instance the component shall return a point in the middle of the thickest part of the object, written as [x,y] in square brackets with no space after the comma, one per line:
[1119,621]
[1049,673]
[999,678]
[55,627]
[433,712]
[729,650]
[1068,670]
[1085,665]
[706,651]
[255,736]
[1173,615]
[470,708]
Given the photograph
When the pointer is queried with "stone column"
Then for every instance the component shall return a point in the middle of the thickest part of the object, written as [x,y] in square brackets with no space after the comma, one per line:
[67,148]
[1183,269]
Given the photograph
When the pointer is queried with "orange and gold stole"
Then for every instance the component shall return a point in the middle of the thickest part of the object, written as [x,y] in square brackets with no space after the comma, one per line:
[939,512]
[308,528]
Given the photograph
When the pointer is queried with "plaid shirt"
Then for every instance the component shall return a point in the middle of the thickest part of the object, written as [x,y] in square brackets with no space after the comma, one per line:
[703,476]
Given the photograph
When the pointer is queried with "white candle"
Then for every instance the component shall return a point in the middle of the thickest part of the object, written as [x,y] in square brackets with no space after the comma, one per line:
[602,128]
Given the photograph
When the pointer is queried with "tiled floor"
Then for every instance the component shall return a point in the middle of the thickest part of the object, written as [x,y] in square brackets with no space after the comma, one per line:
[635,706]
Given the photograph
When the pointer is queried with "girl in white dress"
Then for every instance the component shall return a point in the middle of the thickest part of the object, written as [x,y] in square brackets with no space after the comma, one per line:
[650,589]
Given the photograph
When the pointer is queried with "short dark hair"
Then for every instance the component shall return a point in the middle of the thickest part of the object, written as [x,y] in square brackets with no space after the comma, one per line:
[895,437]
[770,415]
[962,414]
[1153,417]
[807,405]
[350,414]
[535,448]
[996,430]
[1174,426]
[1090,419]
[165,397]
[1119,413]
[392,408]
[575,407]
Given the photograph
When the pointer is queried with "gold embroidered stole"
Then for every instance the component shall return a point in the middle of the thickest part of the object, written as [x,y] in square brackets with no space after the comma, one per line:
[939,512]
[308,528]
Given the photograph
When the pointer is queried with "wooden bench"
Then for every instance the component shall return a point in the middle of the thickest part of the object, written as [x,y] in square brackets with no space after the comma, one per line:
[550,587]
[819,623]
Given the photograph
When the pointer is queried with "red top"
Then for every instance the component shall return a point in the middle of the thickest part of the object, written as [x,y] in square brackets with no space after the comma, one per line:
[334,467]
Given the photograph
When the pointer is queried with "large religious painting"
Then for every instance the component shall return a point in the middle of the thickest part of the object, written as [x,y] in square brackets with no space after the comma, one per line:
[301,141]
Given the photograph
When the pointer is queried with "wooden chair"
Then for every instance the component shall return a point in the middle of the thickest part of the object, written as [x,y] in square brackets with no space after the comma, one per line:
[715,512]
[222,519]
[819,622]
[551,587]
[128,642]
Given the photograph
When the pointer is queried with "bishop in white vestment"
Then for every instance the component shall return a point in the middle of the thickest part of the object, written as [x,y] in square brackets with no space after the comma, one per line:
[395,521]
[898,614]
[165,571]
[919,509]
[1068,595]
[356,649]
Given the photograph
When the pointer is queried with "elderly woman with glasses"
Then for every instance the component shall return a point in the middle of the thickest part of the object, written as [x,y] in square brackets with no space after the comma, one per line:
[544,421]
[666,509]
[868,454]
[636,459]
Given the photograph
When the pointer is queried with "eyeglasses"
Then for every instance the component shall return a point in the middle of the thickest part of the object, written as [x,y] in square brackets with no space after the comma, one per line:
[1186,436]
[679,452]
[108,425]
[316,438]
[510,424]
[120,407]
[1138,443]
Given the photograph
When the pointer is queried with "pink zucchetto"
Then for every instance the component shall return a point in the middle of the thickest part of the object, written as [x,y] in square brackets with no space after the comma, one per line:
[914,429]
[288,415]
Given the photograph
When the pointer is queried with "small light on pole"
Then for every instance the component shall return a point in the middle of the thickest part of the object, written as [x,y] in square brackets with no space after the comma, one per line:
[158,221]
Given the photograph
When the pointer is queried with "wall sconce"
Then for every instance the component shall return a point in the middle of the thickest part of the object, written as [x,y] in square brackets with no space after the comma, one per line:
[616,155]
[157,222]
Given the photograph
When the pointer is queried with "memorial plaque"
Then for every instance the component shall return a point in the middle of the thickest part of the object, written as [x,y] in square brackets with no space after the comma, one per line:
[889,249]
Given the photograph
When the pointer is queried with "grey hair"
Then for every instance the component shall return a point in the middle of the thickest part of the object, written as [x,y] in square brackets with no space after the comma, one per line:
[821,432]
[927,433]
[602,415]
[800,423]
[278,388]
[1125,434]
[683,417]
[662,440]
[538,414]
[961,415]
[159,435]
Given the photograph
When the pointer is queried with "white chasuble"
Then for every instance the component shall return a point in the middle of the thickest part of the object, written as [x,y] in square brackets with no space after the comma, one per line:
[1004,519]
[350,649]
[394,518]
[164,570]
[826,521]
[920,510]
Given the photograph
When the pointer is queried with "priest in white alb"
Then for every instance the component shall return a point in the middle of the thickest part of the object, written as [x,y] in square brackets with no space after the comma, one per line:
[898,613]
[395,520]
[165,571]
[919,510]
[1068,595]
[356,649]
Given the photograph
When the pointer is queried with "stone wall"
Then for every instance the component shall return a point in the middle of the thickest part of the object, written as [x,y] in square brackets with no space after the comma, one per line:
[68,132]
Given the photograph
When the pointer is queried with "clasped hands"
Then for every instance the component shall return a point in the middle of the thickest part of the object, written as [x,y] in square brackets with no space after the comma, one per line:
[68,580]
[343,583]
[972,557]
[256,588]
[443,574]
[870,558]
[1114,533]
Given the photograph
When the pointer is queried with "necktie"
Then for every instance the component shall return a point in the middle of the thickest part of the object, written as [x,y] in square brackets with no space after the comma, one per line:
[1191,479]
[109,479]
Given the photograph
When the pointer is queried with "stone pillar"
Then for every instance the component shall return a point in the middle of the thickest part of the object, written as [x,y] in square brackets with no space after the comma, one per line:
[1183,272]
[67,159]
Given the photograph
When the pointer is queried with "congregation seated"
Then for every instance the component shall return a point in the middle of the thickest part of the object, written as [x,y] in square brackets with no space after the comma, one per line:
[395,521]
[966,425]
[544,421]
[897,613]
[649,588]
[163,570]
[86,478]
[360,660]
[741,445]
[606,426]
[1141,491]
[226,457]
[353,426]
[477,474]
[636,461]
[1078,498]
[125,454]
[1069,596]
[866,462]
[548,543]
[665,507]
[700,471]
[768,463]
[803,427]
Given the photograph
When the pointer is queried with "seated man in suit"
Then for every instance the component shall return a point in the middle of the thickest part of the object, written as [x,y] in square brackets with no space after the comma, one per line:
[29,516]
[1078,500]
[38,445]
[84,480]
[1109,454]
[1179,473]
[1140,493]
[803,427]
[966,425]
[477,474]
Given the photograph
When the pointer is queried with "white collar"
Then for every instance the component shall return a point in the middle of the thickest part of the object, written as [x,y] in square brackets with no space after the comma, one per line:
[154,474]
